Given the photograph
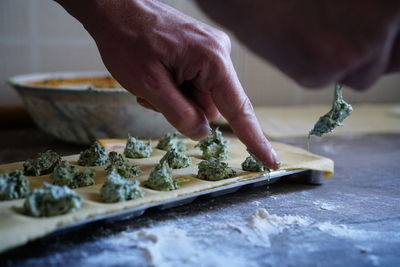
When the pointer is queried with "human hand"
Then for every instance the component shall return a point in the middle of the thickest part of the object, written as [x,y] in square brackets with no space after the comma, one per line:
[174,64]
[318,42]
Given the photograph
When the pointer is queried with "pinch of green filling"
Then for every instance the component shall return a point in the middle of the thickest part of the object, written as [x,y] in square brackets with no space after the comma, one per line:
[137,149]
[214,146]
[122,166]
[96,155]
[65,174]
[252,164]
[13,185]
[340,111]
[117,189]
[171,141]
[213,169]
[161,178]
[176,160]
[51,200]
[43,163]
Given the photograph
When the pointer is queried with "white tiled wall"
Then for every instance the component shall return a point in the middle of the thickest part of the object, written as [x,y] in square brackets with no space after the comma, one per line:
[39,36]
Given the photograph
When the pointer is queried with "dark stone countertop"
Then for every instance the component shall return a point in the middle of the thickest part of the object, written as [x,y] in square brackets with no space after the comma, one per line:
[353,219]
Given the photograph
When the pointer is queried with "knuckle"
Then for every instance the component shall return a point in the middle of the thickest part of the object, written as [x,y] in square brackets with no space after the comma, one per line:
[219,42]
[244,110]
[150,79]
[224,39]
[185,120]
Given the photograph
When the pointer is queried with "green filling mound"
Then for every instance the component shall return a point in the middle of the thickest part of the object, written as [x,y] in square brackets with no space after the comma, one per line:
[13,185]
[252,164]
[171,141]
[137,149]
[96,155]
[42,164]
[214,146]
[117,189]
[122,166]
[161,178]
[176,160]
[340,111]
[65,174]
[213,169]
[51,200]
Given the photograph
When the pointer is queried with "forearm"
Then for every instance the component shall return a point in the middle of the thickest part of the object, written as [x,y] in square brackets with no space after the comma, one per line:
[249,18]
[317,42]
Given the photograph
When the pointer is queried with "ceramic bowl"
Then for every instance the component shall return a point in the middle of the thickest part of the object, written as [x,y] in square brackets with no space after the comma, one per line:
[79,107]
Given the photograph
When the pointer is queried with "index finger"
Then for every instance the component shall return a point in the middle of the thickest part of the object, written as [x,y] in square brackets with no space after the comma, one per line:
[235,106]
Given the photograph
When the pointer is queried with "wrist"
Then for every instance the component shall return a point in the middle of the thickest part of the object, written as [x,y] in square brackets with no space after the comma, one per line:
[105,17]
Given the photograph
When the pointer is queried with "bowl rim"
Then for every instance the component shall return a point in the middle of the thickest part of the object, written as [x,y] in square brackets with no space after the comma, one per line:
[19,81]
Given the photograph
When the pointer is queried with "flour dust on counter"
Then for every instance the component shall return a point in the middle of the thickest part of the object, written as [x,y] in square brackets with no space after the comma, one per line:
[168,245]
[192,245]
[324,205]
[262,227]
[265,224]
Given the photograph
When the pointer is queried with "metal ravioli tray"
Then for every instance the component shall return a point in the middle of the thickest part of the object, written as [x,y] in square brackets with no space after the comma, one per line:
[308,177]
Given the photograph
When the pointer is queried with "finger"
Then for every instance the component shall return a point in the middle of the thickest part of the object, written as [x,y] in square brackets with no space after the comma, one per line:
[145,104]
[236,107]
[184,115]
[202,98]
[206,103]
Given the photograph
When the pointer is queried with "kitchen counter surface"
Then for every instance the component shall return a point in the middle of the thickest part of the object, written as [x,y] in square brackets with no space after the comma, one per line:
[353,219]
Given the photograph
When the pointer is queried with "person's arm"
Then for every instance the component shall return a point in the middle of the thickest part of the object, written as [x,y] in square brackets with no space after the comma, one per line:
[174,64]
[317,42]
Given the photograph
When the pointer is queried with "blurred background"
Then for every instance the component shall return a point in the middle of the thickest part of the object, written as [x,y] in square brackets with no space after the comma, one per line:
[39,36]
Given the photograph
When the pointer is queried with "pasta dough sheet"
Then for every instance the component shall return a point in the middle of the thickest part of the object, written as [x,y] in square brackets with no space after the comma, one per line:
[297,121]
[17,229]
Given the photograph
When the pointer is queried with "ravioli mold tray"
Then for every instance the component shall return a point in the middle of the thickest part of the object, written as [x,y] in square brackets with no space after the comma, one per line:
[210,190]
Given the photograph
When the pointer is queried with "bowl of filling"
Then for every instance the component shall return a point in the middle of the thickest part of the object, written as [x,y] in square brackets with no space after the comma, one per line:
[79,107]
